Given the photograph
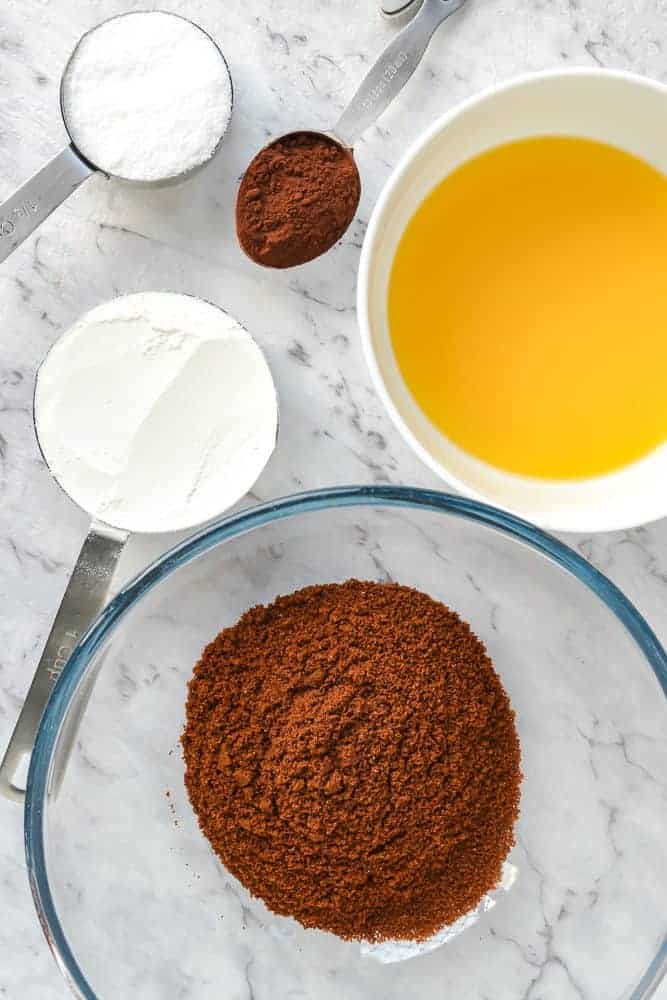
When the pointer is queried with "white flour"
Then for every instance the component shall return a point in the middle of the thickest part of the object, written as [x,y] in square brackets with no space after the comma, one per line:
[147,96]
[156,412]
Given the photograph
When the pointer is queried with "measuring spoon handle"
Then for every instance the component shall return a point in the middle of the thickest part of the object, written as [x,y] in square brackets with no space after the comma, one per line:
[34,201]
[392,71]
[84,598]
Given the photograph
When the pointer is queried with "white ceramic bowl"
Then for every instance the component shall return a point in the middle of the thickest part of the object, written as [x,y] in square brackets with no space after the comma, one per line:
[618,108]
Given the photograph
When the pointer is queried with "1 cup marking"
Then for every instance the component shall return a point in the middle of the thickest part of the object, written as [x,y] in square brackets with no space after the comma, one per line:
[63,654]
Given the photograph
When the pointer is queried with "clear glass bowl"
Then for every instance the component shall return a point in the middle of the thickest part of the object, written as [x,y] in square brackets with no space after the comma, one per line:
[135,904]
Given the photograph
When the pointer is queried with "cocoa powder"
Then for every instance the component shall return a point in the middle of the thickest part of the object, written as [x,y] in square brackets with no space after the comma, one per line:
[296,199]
[352,758]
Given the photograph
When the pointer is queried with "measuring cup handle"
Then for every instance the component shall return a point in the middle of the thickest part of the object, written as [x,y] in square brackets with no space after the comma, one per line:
[34,201]
[84,598]
[392,71]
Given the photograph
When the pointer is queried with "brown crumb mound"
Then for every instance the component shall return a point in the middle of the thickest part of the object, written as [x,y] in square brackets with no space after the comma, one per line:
[352,758]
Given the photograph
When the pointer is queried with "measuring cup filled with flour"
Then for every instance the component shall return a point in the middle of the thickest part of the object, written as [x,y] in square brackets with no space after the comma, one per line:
[146,97]
[155,412]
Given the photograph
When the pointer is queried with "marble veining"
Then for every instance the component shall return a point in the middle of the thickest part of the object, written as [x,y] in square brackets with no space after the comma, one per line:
[294,62]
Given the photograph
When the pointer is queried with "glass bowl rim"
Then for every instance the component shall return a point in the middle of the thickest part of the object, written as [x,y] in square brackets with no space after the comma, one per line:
[242,522]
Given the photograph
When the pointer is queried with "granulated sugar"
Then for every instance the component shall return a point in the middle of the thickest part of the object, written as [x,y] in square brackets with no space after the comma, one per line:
[147,96]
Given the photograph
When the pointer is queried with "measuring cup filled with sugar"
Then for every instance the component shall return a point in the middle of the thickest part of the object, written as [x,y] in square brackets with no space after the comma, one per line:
[155,412]
[146,97]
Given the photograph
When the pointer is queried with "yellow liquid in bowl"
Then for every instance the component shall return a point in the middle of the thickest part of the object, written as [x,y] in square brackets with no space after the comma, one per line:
[528,307]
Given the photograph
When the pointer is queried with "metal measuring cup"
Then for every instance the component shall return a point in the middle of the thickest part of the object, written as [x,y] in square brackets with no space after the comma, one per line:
[26,209]
[88,587]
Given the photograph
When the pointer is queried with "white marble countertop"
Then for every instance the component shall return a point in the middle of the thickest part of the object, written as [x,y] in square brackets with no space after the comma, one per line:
[293,63]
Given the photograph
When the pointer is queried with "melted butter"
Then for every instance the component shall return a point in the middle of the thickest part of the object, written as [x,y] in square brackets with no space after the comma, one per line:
[528,307]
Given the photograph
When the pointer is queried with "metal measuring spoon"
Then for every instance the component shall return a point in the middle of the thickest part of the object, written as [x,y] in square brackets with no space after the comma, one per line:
[88,587]
[391,72]
[26,209]
[382,84]
[399,8]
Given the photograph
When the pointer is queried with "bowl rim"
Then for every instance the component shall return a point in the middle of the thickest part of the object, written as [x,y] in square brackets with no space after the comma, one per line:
[600,521]
[225,529]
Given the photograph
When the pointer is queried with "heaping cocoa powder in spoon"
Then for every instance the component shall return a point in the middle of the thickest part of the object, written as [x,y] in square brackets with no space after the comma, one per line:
[296,199]
[352,758]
